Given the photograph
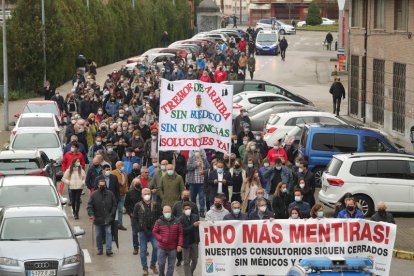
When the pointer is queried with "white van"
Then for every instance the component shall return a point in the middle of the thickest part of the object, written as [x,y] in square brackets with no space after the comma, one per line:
[267,42]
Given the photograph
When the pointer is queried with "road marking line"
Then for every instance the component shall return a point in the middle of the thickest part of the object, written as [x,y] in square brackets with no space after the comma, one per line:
[87,257]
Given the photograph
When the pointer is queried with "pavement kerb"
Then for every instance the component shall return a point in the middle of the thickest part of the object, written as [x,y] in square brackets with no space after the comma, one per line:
[405,255]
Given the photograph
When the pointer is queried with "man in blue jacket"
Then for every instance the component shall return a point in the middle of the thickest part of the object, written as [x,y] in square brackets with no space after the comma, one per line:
[277,174]
[219,180]
[111,182]
[130,159]
[350,211]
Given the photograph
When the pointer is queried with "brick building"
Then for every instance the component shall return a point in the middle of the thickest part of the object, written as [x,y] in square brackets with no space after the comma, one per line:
[381,68]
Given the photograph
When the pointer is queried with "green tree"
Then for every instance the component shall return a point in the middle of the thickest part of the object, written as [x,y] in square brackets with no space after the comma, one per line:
[314,15]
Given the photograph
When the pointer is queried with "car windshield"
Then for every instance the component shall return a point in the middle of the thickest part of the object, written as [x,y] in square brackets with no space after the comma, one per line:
[35,228]
[37,122]
[266,38]
[35,141]
[28,195]
[40,108]
[18,164]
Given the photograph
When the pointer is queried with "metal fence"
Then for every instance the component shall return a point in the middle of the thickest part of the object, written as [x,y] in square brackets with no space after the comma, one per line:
[353,109]
[378,88]
[398,97]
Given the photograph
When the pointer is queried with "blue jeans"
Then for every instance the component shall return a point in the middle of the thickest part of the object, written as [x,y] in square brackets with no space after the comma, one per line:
[120,207]
[163,257]
[108,237]
[195,189]
[134,227]
[144,238]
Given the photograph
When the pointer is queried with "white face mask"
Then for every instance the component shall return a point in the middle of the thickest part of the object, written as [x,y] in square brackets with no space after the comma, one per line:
[266,165]
[263,208]
[302,185]
[295,216]
[320,214]
[187,212]
[147,197]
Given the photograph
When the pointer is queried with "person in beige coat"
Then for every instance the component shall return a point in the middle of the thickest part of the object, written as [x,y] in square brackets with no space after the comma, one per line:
[75,177]
[249,188]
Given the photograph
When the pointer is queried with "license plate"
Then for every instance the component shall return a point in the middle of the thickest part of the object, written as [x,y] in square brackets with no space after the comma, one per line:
[50,272]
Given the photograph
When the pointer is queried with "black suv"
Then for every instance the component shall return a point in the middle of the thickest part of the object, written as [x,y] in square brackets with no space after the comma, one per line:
[26,162]
[259,85]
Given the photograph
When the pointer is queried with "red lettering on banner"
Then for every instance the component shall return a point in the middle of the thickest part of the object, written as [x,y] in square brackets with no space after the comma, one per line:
[297,235]
[366,232]
[221,107]
[177,99]
[324,232]
[249,233]
[264,235]
[336,227]
[229,229]
[311,233]
[378,233]
[353,231]
[215,234]
[277,233]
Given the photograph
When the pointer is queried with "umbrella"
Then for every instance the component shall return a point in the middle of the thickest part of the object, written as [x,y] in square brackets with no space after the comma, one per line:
[114,231]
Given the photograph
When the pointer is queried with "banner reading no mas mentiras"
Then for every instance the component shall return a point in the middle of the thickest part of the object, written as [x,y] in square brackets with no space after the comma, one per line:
[195,114]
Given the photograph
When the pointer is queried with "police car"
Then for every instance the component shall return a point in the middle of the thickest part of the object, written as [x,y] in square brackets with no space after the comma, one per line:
[351,266]
[267,42]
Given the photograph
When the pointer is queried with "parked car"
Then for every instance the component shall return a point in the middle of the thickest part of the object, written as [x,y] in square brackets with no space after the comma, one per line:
[259,85]
[283,28]
[325,21]
[216,36]
[43,139]
[43,107]
[267,42]
[37,120]
[39,241]
[249,99]
[281,123]
[155,59]
[29,191]
[320,142]
[259,118]
[26,162]
[332,266]
[370,177]
[140,58]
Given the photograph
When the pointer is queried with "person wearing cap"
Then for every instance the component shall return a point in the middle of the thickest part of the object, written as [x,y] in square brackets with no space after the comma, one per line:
[240,121]
[130,160]
[151,147]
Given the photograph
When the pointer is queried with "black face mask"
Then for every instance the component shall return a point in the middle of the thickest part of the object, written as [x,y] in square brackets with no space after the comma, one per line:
[381,211]
[350,208]
[217,205]
[137,186]
[237,166]
[96,166]
[136,171]
[102,188]
[186,198]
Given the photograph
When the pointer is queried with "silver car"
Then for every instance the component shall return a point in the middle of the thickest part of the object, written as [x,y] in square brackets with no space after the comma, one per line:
[38,242]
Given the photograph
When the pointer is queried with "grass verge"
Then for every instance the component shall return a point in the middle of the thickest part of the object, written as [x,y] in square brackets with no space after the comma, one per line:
[16,95]
[321,28]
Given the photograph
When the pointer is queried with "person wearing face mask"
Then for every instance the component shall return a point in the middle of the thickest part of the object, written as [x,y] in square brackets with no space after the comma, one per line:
[81,129]
[240,121]
[137,143]
[249,188]
[217,212]
[197,172]
[72,154]
[317,212]
[238,176]
[146,213]
[112,154]
[277,152]
[295,213]
[246,132]
[75,177]
[281,200]
[265,166]
[252,156]
[122,178]
[99,116]
[277,174]
[171,186]
[308,195]
[261,145]
[101,210]
[112,107]
[59,100]
[185,199]
[93,172]
[151,147]
[132,197]
[111,181]
[262,212]
[260,193]
[351,210]
[154,167]
[190,223]
[295,168]
[382,214]
[219,180]
[95,147]
[135,172]
[305,173]
[298,202]
[168,231]
[236,213]
[243,147]
[130,160]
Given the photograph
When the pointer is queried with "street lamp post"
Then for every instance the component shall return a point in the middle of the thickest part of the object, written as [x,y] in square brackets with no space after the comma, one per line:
[5,72]
[133,4]
[44,40]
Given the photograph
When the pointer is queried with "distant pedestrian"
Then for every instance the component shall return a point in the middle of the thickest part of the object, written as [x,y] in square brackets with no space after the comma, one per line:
[328,40]
[283,44]
[234,21]
[251,65]
[81,65]
[48,90]
[382,214]
[165,39]
[293,23]
[338,91]
[412,135]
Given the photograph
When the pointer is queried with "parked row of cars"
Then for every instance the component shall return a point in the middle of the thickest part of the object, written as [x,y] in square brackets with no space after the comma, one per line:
[36,238]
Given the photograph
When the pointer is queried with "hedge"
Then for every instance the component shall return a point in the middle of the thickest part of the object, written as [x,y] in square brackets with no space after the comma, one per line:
[105,33]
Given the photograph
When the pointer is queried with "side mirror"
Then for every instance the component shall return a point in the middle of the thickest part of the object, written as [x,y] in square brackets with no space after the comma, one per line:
[79,232]
[12,124]
[63,200]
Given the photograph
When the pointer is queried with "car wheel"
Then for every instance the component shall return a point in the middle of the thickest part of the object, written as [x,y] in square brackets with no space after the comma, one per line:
[365,204]
[318,176]
[282,32]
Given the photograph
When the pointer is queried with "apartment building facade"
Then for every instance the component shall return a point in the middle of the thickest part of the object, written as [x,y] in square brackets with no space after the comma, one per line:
[381,65]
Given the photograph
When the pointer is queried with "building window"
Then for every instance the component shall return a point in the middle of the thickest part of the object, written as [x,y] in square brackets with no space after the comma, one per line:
[354,84]
[379,14]
[398,97]
[400,15]
[356,13]
[378,91]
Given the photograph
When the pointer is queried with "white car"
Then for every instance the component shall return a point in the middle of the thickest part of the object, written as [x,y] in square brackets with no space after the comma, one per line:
[283,28]
[37,120]
[370,178]
[153,59]
[249,99]
[43,139]
[281,123]
[215,36]
[325,21]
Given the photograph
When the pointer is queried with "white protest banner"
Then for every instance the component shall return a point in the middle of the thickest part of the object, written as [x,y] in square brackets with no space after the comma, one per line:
[195,114]
[273,247]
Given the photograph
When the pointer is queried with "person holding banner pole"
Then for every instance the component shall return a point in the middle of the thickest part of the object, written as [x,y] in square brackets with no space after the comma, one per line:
[197,172]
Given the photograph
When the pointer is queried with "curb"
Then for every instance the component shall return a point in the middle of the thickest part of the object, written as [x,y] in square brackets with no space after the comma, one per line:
[405,255]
